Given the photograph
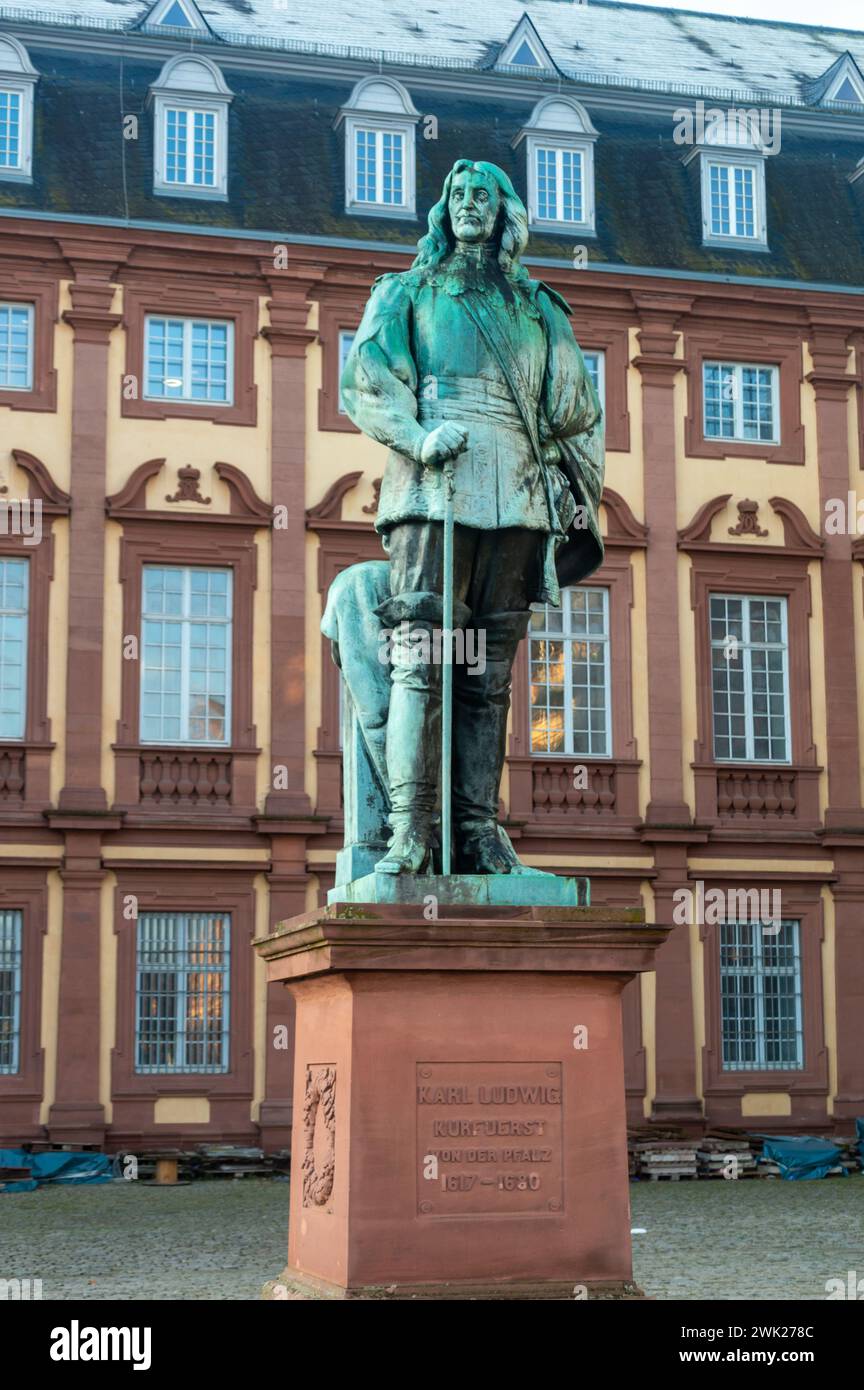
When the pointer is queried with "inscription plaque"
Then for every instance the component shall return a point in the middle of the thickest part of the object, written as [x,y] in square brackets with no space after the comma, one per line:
[489,1138]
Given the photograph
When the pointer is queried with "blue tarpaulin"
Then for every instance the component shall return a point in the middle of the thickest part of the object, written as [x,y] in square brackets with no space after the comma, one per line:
[803,1157]
[859,1125]
[57,1167]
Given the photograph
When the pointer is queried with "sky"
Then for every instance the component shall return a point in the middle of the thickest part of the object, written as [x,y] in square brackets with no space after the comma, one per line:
[834,14]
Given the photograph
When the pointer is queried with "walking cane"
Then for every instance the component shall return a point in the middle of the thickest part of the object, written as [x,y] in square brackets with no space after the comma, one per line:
[447,674]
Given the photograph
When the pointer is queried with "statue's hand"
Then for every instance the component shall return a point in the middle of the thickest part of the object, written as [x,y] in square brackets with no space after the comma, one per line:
[443,443]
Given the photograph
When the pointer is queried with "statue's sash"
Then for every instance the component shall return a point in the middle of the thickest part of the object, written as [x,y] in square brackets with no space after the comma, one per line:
[497,339]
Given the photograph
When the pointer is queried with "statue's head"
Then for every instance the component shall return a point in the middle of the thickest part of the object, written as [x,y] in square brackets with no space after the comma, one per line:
[478,203]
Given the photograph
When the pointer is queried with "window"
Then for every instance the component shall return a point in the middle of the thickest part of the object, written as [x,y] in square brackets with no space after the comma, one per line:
[189,360]
[182,992]
[18,79]
[559,140]
[559,185]
[595,365]
[525,49]
[11,927]
[733,198]
[16,347]
[379,123]
[175,14]
[750,678]
[186,655]
[13,647]
[569,675]
[741,402]
[191,103]
[760,990]
[345,343]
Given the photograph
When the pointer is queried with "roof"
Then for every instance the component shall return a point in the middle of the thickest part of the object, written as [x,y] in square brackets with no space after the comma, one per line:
[629,44]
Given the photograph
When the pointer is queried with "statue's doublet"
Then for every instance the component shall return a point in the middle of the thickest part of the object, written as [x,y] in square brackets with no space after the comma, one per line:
[419,358]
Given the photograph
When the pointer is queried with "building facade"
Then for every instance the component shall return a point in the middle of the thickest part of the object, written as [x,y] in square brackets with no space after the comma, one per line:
[181,271]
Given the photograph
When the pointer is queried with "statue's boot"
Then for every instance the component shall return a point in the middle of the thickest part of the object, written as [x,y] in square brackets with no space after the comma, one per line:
[413,729]
[480,710]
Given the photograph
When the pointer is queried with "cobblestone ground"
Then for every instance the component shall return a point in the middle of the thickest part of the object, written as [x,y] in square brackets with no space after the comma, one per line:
[751,1239]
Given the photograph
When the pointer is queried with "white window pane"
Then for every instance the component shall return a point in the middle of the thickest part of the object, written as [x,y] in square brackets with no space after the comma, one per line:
[186,661]
[569,676]
[749,678]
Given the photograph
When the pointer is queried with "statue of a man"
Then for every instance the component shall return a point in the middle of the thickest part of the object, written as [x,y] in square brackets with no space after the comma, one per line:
[464,357]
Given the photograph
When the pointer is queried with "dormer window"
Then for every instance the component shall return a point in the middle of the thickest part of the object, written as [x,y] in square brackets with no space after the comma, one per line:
[18,77]
[732,177]
[525,49]
[843,82]
[379,120]
[559,141]
[190,103]
[176,14]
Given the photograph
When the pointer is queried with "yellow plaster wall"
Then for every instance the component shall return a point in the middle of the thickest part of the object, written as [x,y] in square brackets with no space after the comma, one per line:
[829,990]
[108,987]
[51,988]
[261,1041]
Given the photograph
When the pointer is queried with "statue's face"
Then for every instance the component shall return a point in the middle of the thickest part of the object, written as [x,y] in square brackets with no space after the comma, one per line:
[473,206]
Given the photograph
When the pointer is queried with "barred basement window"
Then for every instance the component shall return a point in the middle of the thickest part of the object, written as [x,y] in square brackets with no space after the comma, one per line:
[182,992]
[14,577]
[569,675]
[11,931]
[750,678]
[189,360]
[16,347]
[760,987]
[740,402]
[186,655]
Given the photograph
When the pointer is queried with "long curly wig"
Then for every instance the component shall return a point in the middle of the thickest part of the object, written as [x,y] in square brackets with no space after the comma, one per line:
[511,231]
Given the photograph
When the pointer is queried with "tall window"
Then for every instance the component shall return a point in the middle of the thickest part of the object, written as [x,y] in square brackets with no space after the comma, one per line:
[380,169]
[750,678]
[16,347]
[189,360]
[346,340]
[560,180]
[569,674]
[190,147]
[11,928]
[595,364]
[186,655]
[13,647]
[10,129]
[760,986]
[182,992]
[741,402]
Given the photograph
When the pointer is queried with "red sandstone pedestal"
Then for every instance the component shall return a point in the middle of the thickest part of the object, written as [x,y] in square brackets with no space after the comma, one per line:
[459,1119]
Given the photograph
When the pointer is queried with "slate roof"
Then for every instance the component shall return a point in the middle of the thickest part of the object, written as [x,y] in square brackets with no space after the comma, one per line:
[286,161]
[632,44]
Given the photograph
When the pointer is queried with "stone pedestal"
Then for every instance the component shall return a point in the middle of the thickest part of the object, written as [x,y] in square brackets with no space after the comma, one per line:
[459,1118]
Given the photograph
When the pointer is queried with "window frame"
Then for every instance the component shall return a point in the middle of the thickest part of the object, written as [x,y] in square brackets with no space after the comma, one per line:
[381,125]
[567,637]
[22,559]
[747,648]
[189,322]
[738,368]
[185,621]
[30,308]
[536,140]
[733,159]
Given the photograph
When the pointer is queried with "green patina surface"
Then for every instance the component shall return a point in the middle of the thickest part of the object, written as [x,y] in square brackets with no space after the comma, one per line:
[496,890]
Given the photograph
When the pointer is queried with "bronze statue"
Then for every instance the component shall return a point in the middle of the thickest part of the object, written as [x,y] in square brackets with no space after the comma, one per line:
[464,358]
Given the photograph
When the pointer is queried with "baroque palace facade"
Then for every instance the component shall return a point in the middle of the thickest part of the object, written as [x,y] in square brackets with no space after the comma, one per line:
[194,202]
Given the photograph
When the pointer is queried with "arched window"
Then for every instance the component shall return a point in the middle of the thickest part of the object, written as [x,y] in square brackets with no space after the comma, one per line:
[190,134]
[559,142]
[379,120]
[18,77]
